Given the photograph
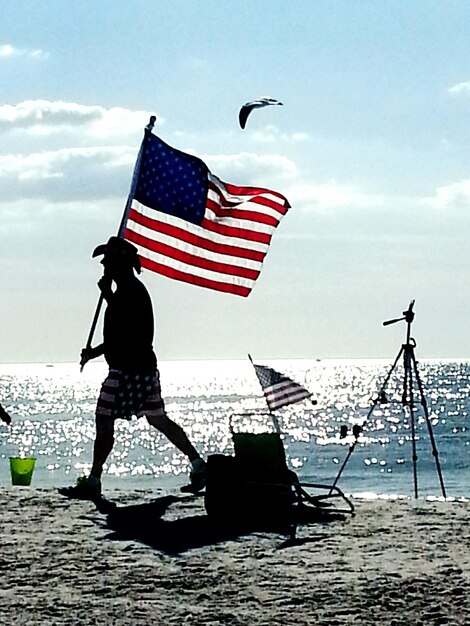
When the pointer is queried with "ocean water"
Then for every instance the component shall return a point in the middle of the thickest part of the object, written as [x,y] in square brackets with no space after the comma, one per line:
[52,407]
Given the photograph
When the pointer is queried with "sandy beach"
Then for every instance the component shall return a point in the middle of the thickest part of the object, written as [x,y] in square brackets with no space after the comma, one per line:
[156,559]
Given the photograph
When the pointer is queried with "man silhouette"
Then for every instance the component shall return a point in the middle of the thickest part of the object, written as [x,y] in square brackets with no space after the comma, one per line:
[132,387]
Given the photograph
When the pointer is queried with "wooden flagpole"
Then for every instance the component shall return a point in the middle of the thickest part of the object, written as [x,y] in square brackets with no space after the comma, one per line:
[122,225]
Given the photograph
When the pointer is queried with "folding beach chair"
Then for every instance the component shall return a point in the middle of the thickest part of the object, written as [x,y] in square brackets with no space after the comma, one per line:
[256,484]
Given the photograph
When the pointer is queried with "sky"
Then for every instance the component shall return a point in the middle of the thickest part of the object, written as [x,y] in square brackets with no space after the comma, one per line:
[371,147]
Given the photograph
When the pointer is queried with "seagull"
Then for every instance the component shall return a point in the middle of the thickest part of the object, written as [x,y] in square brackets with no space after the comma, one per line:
[255,104]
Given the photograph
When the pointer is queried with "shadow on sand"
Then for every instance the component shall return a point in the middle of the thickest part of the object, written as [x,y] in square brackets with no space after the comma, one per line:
[144,523]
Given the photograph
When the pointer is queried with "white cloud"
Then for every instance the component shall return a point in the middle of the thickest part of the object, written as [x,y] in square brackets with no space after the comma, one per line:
[456,195]
[38,53]
[281,174]
[300,136]
[90,150]
[7,50]
[247,168]
[332,195]
[460,88]
[270,134]
[67,174]
[46,117]
[49,164]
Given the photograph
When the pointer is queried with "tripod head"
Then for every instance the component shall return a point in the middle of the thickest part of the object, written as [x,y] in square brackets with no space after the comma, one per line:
[408,316]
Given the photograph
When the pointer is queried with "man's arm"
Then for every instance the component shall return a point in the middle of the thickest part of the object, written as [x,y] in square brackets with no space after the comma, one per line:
[4,415]
[87,354]
[105,285]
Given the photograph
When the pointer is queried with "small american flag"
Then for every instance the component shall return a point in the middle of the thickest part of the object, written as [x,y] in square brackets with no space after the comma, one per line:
[279,390]
[189,225]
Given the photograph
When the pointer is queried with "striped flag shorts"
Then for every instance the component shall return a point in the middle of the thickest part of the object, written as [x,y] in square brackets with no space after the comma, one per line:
[124,396]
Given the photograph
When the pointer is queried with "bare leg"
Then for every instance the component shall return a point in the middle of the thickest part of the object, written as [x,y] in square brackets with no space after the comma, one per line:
[104,442]
[175,434]
[89,488]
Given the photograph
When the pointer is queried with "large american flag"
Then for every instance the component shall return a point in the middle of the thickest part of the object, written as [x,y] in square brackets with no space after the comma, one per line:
[189,225]
[279,390]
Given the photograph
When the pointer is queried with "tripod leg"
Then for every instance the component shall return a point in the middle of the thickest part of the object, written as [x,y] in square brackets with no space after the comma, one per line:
[345,462]
[387,377]
[404,397]
[369,413]
[409,386]
[435,453]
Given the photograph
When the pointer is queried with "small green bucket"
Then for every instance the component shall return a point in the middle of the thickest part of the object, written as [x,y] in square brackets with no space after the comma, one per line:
[22,470]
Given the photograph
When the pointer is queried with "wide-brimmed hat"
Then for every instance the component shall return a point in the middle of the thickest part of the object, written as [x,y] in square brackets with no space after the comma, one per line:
[122,248]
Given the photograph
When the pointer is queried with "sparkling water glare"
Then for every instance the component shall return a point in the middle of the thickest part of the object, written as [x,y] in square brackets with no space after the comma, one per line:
[53,405]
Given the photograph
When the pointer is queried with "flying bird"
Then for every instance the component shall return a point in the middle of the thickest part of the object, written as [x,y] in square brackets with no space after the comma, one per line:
[256,104]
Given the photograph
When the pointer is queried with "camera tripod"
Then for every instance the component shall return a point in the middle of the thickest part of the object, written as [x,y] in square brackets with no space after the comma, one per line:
[411,375]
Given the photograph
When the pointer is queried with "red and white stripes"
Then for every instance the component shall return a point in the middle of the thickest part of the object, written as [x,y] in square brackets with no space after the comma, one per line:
[225,252]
